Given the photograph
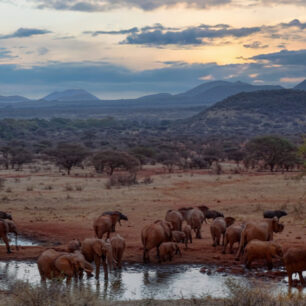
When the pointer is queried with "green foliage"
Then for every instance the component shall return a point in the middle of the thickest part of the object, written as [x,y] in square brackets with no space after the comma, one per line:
[109,161]
[272,150]
[68,155]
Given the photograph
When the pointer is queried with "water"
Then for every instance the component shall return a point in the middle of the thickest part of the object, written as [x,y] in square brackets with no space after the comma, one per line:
[21,240]
[136,282]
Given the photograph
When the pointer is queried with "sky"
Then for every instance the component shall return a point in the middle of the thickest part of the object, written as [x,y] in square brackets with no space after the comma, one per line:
[130,48]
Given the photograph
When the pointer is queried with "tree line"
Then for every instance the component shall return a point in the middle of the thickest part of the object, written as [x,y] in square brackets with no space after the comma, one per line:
[264,152]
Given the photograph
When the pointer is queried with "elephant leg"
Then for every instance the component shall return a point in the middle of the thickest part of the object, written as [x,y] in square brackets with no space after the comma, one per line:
[144,257]
[290,278]
[190,238]
[4,238]
[269,263]
[231,248]
[97,263]
[222,239]
[157,252]
[108,233]
[105,267]
[301,278]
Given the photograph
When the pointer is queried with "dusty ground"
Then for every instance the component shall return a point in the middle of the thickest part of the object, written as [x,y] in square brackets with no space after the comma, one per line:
[56,208]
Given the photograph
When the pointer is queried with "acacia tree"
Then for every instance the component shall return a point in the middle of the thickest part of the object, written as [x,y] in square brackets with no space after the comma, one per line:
[272,150]
[68,155]
[109,161]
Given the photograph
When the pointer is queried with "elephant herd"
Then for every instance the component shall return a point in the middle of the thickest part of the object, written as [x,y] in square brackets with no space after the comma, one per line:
[79,256]
[254,240]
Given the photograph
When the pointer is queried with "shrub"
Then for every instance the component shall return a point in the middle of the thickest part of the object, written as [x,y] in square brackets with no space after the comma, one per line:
[121,180]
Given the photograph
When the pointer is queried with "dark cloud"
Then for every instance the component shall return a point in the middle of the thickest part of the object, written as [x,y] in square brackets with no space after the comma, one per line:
[294,23]
[120,32]
[189,36]
[25,32]
[173,77]
[284,57]
[106,5]
[159,35]
[255,45]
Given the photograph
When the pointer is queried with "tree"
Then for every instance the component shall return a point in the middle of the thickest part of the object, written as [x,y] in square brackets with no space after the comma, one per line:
[272,150]
[109,161]
[68,155]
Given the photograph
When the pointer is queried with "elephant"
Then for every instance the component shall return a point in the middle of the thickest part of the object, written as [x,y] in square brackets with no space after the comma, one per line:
[258,249]
[116,216]
[73,245]
[118,246]
[4,230]
[262,230]
[4,215]
[232,235]
[204,210]
[176,218]
[274,213]
[218,228]
[102,225]
[53,264]
[98,250]
[212,214]
[153,235]
[295,262]
[187,231]
[12,229]
[168,250]
[179,236]
[194,217]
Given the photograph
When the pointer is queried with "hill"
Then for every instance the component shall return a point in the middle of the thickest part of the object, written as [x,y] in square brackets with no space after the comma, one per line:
[211,92]
[301,86]
[13,99]
[246,114]
[70,95]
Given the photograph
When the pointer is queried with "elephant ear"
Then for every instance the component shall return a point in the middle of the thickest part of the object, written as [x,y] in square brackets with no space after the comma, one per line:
[64,265]
[97,247]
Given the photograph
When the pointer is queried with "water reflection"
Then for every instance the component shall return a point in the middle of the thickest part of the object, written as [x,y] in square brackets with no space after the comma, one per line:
[22,240]
[143,282]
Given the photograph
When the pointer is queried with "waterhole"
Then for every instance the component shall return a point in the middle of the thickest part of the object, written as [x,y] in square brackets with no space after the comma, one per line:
[135,282]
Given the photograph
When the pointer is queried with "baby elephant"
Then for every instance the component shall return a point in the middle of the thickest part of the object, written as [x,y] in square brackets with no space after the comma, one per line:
[218,228]
[232,235]
[178,236]
[295,262]
[257,249]
[118,247]
[167,250]
[270,214]
[187,231]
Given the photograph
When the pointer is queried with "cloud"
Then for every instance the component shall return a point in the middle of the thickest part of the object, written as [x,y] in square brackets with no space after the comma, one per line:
[5,53]
[159,35]
[255,45]
[43,51]
[120,32]
[25,32]
[284,57]
[279,2]
[108,79]
[189,36]
[106,5]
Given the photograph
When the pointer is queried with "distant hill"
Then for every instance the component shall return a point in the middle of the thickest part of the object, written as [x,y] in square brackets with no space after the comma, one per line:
[70,95]
[301,86]
[211,92]
[13,99]
[246,114]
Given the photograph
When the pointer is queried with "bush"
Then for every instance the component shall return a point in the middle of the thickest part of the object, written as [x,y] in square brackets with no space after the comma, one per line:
[121,180]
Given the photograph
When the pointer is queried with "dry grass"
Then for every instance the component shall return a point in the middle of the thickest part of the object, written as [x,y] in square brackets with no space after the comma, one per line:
[54,294]
[244,196]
